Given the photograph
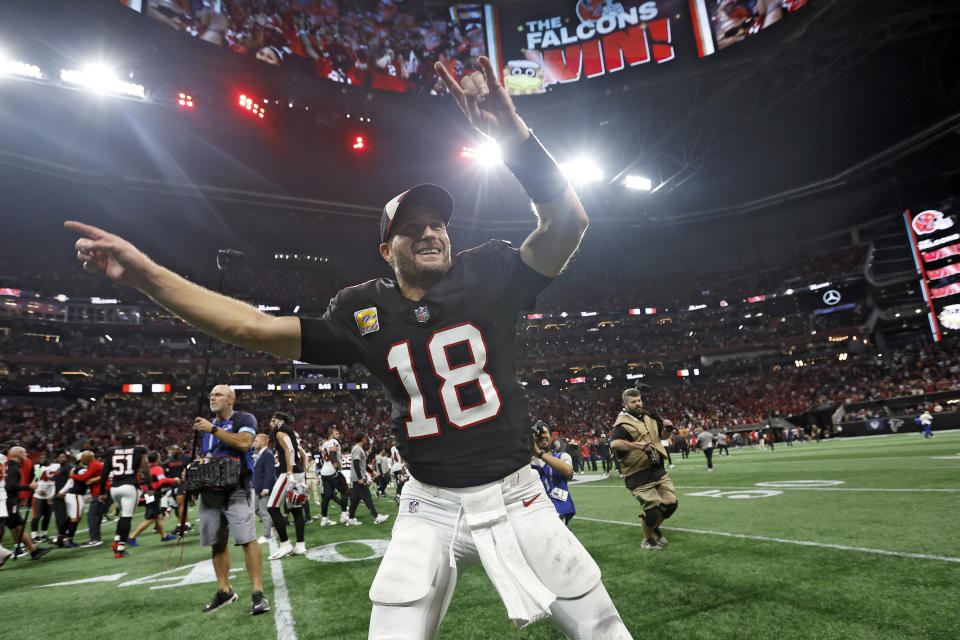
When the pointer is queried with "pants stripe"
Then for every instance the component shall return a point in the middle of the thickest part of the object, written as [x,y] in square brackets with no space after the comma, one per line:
[276,501]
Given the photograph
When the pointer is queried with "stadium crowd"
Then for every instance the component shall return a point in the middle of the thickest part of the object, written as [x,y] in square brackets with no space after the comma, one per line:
[378,44]
[725,401]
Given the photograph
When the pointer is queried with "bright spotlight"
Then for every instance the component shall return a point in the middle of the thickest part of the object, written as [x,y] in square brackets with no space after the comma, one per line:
[185,100]
[638,182]
[582,170]
[487,154]
[359,143]
[99,78]
[17,68]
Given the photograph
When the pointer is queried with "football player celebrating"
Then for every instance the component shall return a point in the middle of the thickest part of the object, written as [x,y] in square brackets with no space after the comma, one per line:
[440,338]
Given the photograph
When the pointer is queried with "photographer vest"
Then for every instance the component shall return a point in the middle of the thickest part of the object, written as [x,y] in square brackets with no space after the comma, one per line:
[645,430]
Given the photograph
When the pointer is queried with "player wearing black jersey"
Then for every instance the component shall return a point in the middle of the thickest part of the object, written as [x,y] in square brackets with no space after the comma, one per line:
[290,472]
[122,465]
[441,340]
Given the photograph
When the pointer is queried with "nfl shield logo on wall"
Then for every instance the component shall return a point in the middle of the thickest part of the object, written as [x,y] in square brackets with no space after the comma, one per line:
[423,314]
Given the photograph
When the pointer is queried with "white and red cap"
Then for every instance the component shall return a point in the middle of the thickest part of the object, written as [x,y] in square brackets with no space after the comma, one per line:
[427,195]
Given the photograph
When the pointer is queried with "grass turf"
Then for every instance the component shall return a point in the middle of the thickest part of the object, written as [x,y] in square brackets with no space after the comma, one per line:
[704,585]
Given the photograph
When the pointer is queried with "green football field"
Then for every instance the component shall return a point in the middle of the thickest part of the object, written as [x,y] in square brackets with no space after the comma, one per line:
[848,539]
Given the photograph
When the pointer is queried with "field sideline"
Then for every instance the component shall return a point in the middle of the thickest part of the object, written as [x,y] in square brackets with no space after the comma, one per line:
[853,538]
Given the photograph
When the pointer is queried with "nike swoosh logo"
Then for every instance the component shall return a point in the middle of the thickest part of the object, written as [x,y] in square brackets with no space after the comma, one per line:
[529,502]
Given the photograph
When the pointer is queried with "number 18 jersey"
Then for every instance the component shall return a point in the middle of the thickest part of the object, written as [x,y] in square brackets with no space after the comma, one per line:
[459,415]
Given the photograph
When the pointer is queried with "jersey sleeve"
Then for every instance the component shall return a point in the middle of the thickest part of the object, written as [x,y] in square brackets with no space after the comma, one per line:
[619,433]
[328,340]
[502,269]
[246,423]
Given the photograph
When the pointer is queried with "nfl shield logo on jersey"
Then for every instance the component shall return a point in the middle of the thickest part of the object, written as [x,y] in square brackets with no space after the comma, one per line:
[423,314]
[367,320]
[414,506]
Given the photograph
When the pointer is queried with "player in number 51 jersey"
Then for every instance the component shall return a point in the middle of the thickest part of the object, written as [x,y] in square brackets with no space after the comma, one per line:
[123,463]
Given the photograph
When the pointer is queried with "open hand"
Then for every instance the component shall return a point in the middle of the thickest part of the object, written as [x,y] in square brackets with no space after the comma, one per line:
[486,103]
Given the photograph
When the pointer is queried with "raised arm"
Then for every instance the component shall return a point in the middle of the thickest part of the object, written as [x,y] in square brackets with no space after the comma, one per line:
[224,318]
[561,218]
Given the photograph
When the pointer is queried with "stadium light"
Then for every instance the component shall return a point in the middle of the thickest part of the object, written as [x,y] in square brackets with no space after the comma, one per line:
[16,68]
[638,182]
[101,79]
[246,102]
[359,143]
[185,100]
[582,170]
[486,155]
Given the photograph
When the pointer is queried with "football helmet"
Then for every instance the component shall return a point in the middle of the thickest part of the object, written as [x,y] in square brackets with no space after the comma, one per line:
[297,495]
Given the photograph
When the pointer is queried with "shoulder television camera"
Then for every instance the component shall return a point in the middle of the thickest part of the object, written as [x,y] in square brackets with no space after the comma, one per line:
[219,473]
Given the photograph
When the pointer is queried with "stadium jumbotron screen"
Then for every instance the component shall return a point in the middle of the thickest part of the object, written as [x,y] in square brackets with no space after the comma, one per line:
[533,45]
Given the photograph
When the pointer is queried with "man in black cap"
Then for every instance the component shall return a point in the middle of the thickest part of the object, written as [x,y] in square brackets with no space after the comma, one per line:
[440,338]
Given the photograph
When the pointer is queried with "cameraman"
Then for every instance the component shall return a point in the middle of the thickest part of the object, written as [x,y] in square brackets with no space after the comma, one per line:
[555,468]
[636,441]
[232,509]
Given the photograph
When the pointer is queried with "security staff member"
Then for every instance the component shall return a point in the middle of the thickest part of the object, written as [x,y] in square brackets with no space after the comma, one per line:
[636,441]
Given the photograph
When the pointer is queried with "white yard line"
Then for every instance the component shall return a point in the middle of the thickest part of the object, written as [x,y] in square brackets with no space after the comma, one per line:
[282,611]
[803,543]
[805,489]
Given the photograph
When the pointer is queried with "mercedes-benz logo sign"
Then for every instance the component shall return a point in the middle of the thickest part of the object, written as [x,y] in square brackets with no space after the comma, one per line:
[831,297]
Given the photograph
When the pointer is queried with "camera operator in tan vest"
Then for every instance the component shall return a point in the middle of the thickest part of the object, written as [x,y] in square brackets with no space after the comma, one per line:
[636,443]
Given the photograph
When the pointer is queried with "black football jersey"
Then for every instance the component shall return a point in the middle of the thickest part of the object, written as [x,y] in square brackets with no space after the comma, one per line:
[124,463]
[460,416]
[281,452]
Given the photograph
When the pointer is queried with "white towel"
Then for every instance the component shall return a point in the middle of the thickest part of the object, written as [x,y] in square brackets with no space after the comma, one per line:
[526,598]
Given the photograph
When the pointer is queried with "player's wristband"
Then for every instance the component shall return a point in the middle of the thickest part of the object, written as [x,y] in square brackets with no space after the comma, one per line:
[536,170]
